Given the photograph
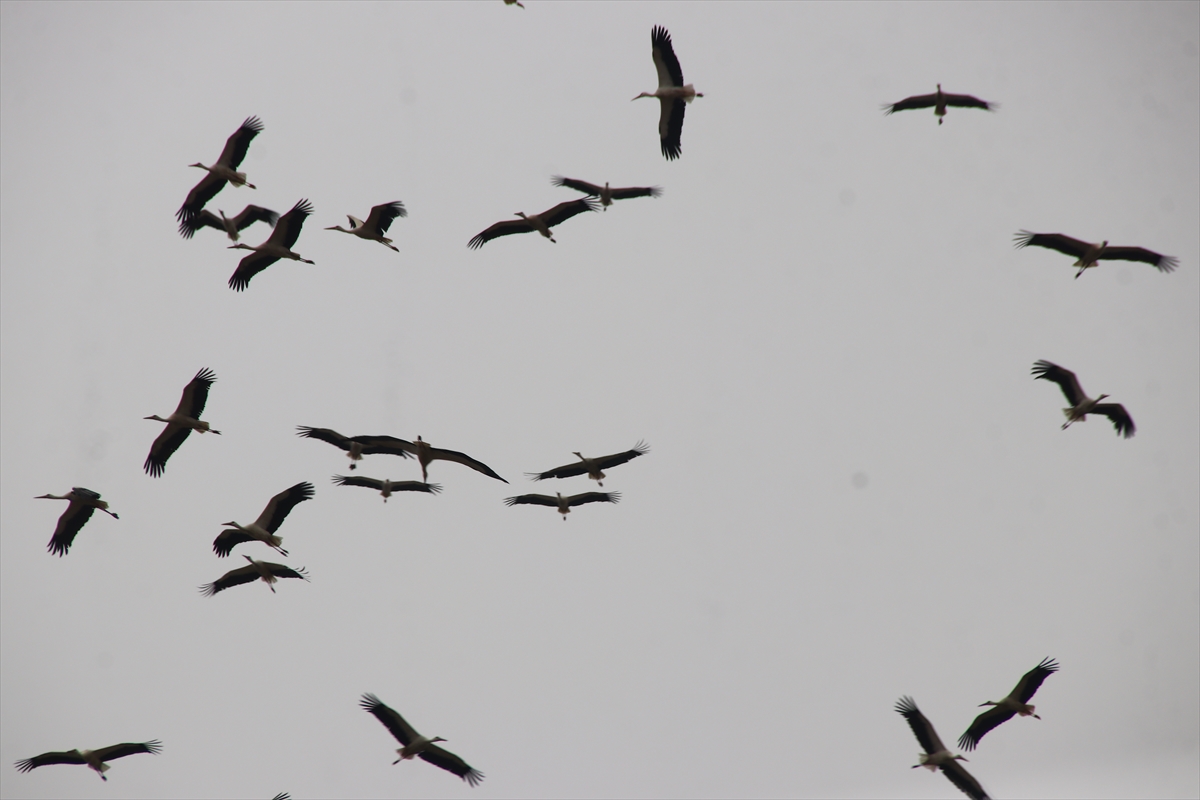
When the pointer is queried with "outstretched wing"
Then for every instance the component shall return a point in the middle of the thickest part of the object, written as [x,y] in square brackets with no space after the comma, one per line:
[164,446]
[1054,241]
[153,747]
[1140,254]
[993,717]
[395,723]
[606,462]
[1065,379]
[909,103]
[531,500]
[593,497]
[239,142]
[46,759]
[451,763]
[503,228]
[69,524]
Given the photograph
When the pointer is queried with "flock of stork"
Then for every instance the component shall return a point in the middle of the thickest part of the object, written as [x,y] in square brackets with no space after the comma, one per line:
[673,95]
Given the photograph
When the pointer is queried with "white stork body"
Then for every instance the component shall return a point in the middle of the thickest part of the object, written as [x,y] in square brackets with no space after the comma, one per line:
[278,245]
[672,93]
[417,746]
[528,223]
[1081,404]
[185,420]
[426,453]
[936,756]
[605,194]
[376,225]
[84,503]
[563,504]
[357,446]
[231,225]
[223,171]
[95,759]
[939,100]
[266,571]
[1090,255]
[386,487]
[263,529]
[594,467]
[1017,702]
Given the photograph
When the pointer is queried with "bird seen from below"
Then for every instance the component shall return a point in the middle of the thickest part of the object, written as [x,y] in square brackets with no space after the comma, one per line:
[223,170]
[672,93]
[1081,404]
[386,487]
[376,225]
[593,467]
[1089,255]
[93,758]
[939,101]
[231,225]
[936,756]
[603,193]
[425,454]
[563,504]
[357,446]
[263,529]
[84,503]
[181,423]
[266,571]
[415,745]
[528,223]
[278,245]
[1017,702]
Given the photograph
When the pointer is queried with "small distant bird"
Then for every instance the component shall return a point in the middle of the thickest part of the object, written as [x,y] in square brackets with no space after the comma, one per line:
[278,245]
[939,101]
[421,747]
[605,194]
[563,504]
[84,503]
[377,224]
[594,467]
[425,454]
[223,171]
[672,93]
[185,420]
[263,529]
[1081,404]
[386,487]
[1090,255]
[266,571]
[357,446]
[1017,702]
[936,755]
[93,758]
[542,223]
[231,225]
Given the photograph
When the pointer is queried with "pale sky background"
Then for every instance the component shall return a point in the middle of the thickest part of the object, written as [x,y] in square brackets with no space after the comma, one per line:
[823,297]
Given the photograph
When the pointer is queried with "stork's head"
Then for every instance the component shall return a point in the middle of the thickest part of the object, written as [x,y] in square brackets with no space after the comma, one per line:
[198,164]
[1098,399]
[239,246]
[645,94]
[436,739]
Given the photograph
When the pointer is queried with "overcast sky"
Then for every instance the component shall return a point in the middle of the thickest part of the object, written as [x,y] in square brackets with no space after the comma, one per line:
[855,489]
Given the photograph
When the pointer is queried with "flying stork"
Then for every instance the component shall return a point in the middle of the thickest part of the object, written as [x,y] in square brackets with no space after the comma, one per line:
[357,446]
[939,101]
[84,503]
[1081,404]
[425,453]
[422,747]
[278,245]
[604,193]
[231,225]
[936,755]
[1089,255]
[386,487]
[223,171]
[594,467]
[1017,702]
[673,95]
[263,529]
[267,571]
[563,504]
[93,758]
[185,420]
[377,224]
[542,223]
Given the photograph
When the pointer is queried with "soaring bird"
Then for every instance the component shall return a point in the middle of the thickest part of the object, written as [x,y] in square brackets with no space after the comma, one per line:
[939,101]
[542,223]
[604,193]
[1017,702]
[422,747]
[426,453]
[563,504]
[386,487]
[263,529]
[1081,404]
[84,503]
[377,224]
[936,756]
[357,446]
[594,467]
[1089,255]
[223,170]
[185,420]
[266,571]
[231,225]
[93,758]
[672,93]
[278,245]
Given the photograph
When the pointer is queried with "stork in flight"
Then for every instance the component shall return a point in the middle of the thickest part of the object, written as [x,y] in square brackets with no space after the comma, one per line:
[278,245]
[604,193]
[1089,255]
[357,446]
[268,572]
[563,504]
[377,224]
[223,170]
[939,101]
[426,453]
[936,756]
[93,758]
[263,529]
[672,93]
[594,467]
[1017,702]
[1081,404]
[415,745]
[386,487]
[84,503]
[231,225]
[528,223]
[185,420]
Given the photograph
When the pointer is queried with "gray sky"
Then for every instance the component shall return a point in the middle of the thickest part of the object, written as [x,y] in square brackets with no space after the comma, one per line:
[821,293]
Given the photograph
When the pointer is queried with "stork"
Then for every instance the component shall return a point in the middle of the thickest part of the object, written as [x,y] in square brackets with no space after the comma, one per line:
[268,572]
[936,755]
[386,487]
[84,503]
[357,446]
[1089,255]
[604,193]
[1081,404]
[278,245]
[672,93]
[1017,702]
[231,225]
[415,745]
[263,529]
[542,223]
[377,224]
[93,758]
[185,420]
[425,453]
[564,504]
[939,101]
[594,467]
[223,170]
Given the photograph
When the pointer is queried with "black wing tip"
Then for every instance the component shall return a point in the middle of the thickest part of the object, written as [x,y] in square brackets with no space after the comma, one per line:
[303,207]
[477,242]
[512,501]
[967,742]
[1048,665]
[613,497]
[253,123]
[1023,238]
[906,706]
[1042,368]
[432,488]
[306,490]
[1167,264]
[536,476]
[472,777]
[209,589]
[206,375]
[153,747]
[370,702]
[659,35]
